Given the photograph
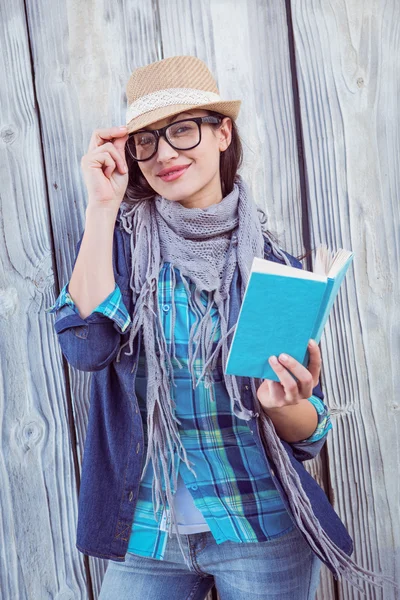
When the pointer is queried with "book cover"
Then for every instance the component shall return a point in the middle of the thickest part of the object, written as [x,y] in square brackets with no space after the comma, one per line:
[283,307]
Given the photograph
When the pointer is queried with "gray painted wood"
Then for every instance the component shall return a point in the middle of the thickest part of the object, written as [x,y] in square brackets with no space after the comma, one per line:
[37,475]
[68,76]
[347,57]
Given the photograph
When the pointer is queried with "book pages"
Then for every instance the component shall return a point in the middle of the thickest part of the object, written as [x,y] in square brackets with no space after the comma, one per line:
[329,264]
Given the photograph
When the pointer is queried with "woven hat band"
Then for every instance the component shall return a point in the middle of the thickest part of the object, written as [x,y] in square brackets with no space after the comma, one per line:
[168,97]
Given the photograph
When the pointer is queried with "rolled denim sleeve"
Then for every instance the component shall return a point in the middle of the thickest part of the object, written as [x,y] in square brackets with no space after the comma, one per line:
[112,307]
[91,344]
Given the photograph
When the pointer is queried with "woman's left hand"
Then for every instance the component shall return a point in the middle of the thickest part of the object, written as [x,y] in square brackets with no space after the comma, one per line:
[273,394]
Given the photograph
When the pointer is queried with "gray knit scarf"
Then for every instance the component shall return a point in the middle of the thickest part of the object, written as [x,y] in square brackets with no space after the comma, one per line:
[206,245]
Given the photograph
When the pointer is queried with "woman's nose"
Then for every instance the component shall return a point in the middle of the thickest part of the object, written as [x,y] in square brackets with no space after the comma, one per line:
[165,150]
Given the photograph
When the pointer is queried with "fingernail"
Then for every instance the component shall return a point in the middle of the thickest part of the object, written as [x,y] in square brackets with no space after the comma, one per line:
[273,360]
[283,357]
[123,127]
[311,343]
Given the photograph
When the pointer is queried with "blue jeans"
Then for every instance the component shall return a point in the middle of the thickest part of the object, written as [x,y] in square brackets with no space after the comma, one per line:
[284,569]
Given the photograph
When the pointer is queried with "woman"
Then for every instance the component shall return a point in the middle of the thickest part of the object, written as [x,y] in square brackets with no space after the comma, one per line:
[161,268]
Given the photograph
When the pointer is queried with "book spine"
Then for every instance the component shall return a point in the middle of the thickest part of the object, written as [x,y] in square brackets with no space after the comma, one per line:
[324,310]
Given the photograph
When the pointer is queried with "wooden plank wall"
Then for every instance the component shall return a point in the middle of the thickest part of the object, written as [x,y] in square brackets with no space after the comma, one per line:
[347,66]
[319,120]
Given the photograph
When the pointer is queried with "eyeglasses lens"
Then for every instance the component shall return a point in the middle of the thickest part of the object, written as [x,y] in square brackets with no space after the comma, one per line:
[183,135]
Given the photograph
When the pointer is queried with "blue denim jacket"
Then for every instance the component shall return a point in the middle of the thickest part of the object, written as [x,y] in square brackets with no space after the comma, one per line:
[113,452]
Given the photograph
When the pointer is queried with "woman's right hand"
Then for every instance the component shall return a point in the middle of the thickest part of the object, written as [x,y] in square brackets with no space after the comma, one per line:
[104,168]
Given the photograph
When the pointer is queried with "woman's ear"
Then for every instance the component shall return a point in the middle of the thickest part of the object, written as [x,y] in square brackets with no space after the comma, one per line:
[225,134]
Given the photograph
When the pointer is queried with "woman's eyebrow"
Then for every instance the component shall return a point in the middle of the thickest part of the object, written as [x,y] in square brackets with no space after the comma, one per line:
[178,115]
[173,118]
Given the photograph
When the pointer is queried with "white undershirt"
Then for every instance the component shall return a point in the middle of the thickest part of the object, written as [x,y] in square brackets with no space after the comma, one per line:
[189,517]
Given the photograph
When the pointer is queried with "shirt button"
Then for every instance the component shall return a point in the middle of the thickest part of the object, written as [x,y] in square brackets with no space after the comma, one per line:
[246,387]
[165,307]
[130,497]
[194,487]
[272,472]
[137,447]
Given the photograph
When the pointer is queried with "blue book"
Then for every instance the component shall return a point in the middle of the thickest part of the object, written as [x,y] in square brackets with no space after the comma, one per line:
[282,308]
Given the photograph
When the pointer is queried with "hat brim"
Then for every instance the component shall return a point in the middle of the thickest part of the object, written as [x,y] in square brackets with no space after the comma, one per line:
[229,108]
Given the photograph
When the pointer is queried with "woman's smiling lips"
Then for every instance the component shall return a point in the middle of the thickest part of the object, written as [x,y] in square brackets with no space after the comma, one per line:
[173,172]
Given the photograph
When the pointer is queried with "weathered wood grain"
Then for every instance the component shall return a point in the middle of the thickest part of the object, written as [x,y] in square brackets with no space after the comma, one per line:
[347,57]
[37,474]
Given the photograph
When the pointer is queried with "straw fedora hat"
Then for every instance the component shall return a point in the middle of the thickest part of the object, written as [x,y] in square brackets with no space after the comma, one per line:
[170,86]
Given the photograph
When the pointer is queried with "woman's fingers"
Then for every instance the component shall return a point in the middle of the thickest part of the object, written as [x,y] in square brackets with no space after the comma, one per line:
[110,149]
[315,361]
[307,377]
[120,143]
[101,136]
[290,385]
[309,374]
[104,168]
[106,163]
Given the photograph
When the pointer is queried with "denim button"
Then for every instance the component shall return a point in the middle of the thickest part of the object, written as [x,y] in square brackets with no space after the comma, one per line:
[165,307]
[81,331]
[194,487]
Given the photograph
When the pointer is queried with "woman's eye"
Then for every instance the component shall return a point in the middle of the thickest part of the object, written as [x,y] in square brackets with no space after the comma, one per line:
[144,140]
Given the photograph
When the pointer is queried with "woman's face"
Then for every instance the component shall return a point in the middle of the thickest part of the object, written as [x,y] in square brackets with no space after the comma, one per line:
[200,184]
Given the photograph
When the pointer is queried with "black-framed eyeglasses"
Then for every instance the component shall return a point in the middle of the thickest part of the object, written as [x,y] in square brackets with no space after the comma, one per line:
[181,135]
